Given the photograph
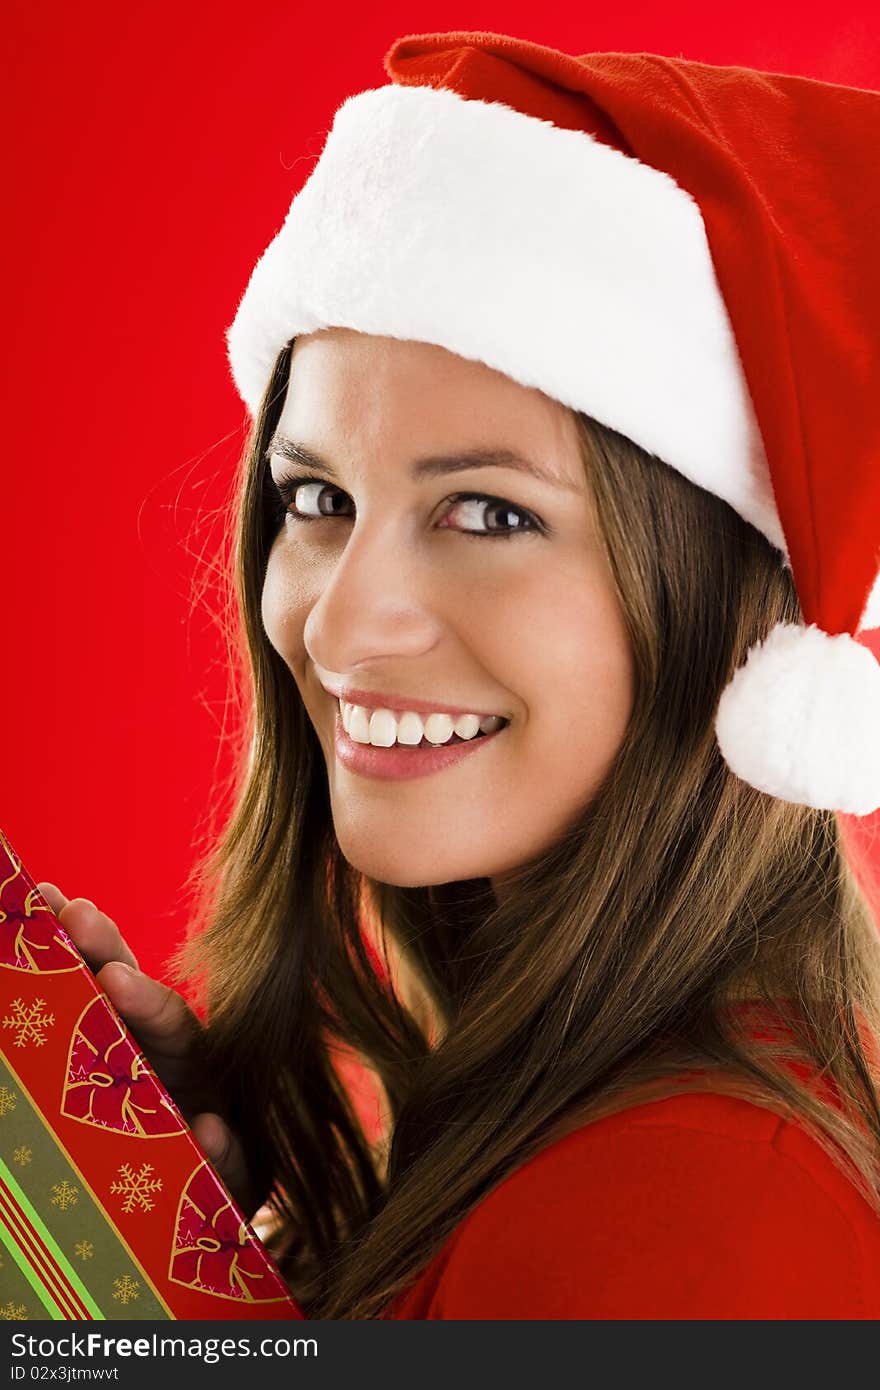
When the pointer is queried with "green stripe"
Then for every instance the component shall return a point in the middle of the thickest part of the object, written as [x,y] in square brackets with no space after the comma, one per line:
[23,1126]
[51,1244]
[15,1223]
[16,1295]
[30,1274]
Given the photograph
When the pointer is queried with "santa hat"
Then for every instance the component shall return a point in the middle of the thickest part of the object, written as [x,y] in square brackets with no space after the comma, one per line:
[687,253]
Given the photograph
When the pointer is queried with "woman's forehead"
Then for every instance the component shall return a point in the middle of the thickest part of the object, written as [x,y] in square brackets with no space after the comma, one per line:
[349,389]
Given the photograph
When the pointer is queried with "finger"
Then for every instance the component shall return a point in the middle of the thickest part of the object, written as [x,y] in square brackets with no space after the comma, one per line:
[224,1149]
[161,1018]
[95,934]
[54,897]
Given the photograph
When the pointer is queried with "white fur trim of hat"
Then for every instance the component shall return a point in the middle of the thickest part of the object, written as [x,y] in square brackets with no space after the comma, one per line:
[417,223]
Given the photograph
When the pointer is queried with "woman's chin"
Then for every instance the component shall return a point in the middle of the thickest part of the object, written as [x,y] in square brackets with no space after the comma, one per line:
[408,870]
[399,873]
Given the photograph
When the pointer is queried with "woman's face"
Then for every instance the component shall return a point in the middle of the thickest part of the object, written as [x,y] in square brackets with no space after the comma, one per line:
[428,567]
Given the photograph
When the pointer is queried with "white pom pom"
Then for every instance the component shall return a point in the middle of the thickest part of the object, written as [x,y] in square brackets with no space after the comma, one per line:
[801,720]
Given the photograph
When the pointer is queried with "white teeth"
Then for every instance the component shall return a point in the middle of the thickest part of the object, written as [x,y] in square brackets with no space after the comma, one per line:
[438,728]
[467,725]
[383,727]
[410,728]
[359,724]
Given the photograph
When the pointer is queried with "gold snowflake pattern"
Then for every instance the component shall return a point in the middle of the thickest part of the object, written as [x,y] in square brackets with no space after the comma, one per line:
[22,1155]
[136,1187]
[126,1289]
[64,1195]
[13,1312]
[29,1022]
[7,1100]
[84,1249]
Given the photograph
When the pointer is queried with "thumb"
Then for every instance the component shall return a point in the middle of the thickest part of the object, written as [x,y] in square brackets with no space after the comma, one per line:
[224,1150]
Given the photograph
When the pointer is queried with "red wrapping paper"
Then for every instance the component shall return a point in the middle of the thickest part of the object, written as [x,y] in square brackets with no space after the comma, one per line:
[159,1234]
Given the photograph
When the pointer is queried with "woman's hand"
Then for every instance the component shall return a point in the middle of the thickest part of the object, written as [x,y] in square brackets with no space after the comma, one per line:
[167,1030]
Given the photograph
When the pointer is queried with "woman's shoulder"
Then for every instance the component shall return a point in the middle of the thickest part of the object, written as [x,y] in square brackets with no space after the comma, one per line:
[697,1205]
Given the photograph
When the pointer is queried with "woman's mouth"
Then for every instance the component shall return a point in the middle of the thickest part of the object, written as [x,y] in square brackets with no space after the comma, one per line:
[406,744]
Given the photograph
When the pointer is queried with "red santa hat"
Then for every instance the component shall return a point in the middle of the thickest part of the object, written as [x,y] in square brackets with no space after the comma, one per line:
[687,253]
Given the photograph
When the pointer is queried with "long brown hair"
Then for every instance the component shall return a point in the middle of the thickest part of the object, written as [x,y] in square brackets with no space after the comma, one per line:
[608,971]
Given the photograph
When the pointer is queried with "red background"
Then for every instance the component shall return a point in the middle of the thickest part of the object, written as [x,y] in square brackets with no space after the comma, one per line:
[152,152]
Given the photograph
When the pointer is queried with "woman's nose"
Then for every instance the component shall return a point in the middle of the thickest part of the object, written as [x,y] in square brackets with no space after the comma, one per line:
[376,602]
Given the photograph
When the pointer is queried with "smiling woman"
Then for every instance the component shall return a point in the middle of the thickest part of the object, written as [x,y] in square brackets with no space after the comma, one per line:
[401,598]
[583,916]
[550,584]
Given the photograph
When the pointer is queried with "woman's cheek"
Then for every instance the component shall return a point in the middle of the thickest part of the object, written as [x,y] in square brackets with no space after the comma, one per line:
[287,598]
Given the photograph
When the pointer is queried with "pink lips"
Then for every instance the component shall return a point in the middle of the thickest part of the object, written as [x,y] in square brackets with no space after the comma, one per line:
[398,761]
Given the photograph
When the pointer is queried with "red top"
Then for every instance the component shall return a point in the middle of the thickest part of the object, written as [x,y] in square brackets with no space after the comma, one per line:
[692,1207]
[696,1206]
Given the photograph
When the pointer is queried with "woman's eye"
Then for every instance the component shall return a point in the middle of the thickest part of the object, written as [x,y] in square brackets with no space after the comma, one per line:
[477,515]
[306,499]
[317,499]
[472,514]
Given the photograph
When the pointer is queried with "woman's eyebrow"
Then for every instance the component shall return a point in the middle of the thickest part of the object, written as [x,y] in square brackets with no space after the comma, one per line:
[435,464]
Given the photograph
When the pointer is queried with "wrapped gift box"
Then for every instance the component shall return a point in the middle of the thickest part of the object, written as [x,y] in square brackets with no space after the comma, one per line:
[108,1207]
